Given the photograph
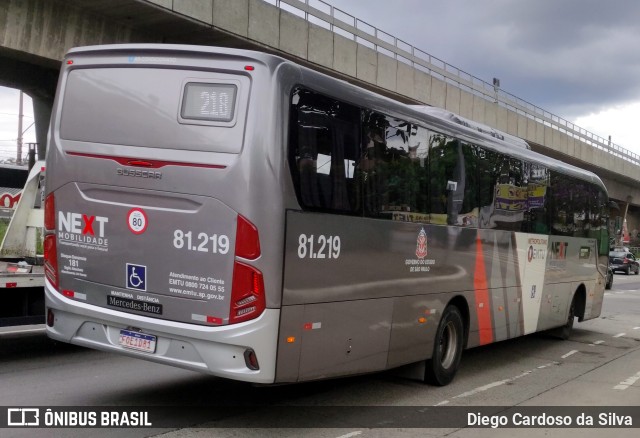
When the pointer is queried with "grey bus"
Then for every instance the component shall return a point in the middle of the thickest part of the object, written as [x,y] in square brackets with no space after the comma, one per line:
[234,213]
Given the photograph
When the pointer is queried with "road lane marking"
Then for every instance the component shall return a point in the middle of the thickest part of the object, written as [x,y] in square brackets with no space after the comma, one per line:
[491,385]
[596,343]
[482,388]
[619,292]
[628,382]
[446,402]
[13,332]
[636,328]
[496,384]
[569,354]
[351,434]
[619,335]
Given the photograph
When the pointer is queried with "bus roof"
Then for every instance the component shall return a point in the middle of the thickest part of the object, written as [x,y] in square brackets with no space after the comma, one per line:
[435,118]
[480,127]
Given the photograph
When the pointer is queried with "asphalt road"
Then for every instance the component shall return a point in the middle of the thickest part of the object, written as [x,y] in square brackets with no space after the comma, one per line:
[599,366]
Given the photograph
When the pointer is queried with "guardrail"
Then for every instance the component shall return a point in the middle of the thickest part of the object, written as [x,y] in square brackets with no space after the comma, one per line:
[325,15]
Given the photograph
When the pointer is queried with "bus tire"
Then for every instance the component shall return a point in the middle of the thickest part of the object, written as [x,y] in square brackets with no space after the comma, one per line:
[447,348]
[564,332]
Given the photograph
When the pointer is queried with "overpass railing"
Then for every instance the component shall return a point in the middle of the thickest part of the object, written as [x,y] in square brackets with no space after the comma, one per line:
[325,15]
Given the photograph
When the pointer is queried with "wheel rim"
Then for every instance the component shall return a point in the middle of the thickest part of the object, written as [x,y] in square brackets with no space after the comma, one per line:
[448,345]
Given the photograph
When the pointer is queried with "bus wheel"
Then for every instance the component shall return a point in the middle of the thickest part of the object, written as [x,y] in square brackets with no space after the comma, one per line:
[447,349]
[565,331]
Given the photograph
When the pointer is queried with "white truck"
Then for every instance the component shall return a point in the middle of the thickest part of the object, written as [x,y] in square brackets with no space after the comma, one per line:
[21,259]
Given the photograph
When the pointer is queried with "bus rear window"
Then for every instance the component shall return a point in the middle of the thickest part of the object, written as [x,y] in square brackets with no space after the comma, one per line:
[156,108]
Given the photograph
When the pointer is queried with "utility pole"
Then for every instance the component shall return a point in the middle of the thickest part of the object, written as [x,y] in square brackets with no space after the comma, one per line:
[20,115]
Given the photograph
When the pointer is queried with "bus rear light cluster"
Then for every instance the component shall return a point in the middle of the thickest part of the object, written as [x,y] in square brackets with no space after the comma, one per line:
[50,244]
[50,213]
[247,239]
[245,311]
[247,294]
[250,299]
[51,259]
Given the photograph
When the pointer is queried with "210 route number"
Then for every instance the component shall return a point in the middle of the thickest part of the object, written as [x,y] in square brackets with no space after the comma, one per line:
[318,247]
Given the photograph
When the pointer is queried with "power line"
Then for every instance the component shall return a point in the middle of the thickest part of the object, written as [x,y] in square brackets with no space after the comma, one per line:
[12,114]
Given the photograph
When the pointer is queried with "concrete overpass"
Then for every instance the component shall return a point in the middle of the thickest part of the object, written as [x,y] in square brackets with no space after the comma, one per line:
[35,34]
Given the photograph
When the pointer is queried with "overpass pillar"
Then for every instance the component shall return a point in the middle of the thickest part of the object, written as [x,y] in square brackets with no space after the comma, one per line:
[42,108]
[620,233]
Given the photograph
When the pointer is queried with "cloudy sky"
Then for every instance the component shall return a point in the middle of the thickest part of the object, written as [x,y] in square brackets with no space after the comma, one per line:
[9,109]
[578,59]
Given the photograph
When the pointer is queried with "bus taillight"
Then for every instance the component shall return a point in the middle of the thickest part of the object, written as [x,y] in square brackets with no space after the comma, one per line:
[50,213]
[50,246]
[247,294]
[247,240]
[51,259]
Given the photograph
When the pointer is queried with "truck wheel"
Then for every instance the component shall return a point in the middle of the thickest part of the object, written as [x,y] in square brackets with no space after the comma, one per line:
[447,348]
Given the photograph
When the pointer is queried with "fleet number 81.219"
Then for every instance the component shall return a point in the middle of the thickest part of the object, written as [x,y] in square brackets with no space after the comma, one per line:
[328,247]
[216,244]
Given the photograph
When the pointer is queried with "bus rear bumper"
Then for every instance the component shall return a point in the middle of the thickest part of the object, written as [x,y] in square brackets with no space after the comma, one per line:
[219,351]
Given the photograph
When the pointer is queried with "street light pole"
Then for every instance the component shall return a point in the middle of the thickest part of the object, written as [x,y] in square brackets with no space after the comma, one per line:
[20,116]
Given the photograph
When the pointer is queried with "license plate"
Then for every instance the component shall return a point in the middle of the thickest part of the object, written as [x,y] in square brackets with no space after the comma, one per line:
[137,341]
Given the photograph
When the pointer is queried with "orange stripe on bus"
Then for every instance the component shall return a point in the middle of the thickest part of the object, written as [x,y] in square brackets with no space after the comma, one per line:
[485,327]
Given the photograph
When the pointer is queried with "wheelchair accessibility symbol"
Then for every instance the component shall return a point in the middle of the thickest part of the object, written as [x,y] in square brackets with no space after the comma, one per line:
[136,277]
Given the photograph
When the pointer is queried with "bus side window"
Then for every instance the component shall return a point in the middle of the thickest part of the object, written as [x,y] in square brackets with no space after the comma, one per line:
[503,191]
[560,205]
[307,165]
[323,148]
[599,215]
[442,160]
[394,169]
[453,182]
[344,149]
[537,200]
[580,208]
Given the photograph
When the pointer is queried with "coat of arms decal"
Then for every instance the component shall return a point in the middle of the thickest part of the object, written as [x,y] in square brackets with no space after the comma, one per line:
[421,246]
